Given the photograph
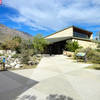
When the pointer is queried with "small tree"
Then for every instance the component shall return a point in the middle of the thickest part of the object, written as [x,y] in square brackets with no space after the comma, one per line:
[39,43]
[72,46]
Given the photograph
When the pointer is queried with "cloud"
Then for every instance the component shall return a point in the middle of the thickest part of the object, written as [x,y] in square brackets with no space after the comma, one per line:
[55,14]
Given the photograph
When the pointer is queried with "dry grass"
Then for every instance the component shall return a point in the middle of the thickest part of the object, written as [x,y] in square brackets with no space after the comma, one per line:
[94,66]
[29,67]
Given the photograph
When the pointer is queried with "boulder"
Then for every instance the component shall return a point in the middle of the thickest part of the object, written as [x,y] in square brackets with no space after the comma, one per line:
[18,66]
[2,51]
[7,66]
[13,64]
[31,63]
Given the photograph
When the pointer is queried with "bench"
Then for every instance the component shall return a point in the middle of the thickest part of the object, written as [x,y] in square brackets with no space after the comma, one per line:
[81,55]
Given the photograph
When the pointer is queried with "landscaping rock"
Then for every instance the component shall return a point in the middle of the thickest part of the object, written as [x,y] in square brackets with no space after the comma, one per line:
[18,66]
[31,63]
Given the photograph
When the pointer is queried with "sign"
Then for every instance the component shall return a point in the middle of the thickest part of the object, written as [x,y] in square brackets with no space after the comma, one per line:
[0,2]
[81,54]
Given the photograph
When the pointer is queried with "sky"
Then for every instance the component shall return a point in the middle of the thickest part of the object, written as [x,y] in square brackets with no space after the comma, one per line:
[48,16]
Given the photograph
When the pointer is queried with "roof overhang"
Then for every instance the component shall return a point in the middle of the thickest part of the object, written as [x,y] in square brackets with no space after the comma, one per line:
[55,40]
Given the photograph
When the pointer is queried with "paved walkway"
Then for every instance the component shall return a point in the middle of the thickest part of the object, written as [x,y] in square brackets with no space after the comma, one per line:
[55,78]
[54,65]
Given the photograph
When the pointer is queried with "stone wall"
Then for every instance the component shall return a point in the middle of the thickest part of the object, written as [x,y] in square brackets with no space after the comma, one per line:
[68,53]
[86,44]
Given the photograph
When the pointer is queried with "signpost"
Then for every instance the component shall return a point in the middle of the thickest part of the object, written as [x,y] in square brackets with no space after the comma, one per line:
[81,55]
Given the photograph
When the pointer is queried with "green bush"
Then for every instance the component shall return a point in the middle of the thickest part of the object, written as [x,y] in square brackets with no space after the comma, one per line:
[72,46]
[39,43]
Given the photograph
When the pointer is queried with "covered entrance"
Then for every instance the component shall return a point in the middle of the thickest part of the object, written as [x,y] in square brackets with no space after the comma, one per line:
[56,46]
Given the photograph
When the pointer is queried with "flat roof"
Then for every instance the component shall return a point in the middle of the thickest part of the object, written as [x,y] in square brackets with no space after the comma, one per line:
[74,28]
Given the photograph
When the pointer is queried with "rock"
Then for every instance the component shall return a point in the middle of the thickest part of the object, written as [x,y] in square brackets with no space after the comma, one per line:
[8,51]
[2,51]
[7,66]
[17,61]
[38,55]
[18,66]
[36,62]
[31,63]
[13,53]
[9,56]
[68,53]
[12,64]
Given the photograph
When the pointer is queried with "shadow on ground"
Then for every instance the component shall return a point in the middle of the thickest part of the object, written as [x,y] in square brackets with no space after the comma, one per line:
[12,85]
[50,97]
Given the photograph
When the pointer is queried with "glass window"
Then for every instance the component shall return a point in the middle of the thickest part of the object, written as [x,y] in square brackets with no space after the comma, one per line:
[80,35]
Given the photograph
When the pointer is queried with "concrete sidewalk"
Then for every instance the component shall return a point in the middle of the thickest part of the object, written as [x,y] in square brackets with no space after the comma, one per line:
[54,65]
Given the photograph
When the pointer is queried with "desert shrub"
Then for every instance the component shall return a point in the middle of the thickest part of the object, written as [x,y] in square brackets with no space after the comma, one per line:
[98,50]
[1,48]
[15,56]
[94,56]
[25,56]
[31,52]
[26,51]
[1,54]
[98,46]
[72,46]
[1,61]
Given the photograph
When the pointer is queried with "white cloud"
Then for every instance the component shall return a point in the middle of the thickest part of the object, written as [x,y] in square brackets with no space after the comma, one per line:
[55,14]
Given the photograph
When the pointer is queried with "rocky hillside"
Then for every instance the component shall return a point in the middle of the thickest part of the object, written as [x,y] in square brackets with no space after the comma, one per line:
[7,33]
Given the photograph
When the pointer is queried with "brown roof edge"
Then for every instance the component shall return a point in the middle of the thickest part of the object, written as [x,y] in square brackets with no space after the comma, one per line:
[82,29]
[68,28]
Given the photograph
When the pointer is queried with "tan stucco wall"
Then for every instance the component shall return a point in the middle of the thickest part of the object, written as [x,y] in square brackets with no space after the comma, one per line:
[86,44]
[64,33]
[91,37]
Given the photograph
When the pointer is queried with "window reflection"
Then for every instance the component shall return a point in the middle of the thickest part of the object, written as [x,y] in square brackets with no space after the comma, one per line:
[80,35]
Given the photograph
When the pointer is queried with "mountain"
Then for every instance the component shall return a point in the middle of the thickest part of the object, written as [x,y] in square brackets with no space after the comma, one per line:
[8,33]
